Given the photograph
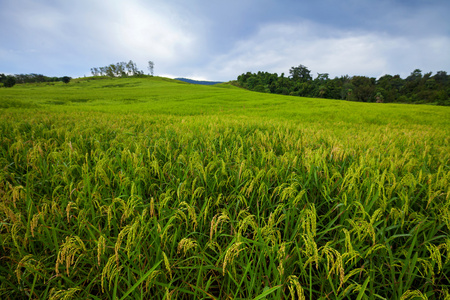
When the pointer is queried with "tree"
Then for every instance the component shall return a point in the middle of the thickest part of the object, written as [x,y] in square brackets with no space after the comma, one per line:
[379,97]
[300,73]
[66,79]
[132,68]
[8,81]
[120,69]
[113,72]
[95,71]
[415,75]
[322,77]
[441,77]
[151,66]
[364,88]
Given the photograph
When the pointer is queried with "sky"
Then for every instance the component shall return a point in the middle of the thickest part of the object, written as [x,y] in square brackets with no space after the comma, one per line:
[219,40]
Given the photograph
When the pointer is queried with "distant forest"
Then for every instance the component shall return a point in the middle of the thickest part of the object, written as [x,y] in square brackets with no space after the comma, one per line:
[202,82]
[416,88]
[11,80]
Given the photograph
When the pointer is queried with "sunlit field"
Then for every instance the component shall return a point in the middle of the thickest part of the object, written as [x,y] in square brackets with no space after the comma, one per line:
[151,188]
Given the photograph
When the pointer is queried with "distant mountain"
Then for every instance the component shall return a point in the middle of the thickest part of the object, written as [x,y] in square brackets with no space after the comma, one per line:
[198,81]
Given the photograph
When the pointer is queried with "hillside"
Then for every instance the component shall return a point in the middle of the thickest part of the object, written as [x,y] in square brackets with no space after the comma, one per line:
[144,188]
[159,95]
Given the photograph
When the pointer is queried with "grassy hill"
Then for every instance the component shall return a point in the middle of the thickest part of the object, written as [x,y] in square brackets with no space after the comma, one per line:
[152,188]
[166,96]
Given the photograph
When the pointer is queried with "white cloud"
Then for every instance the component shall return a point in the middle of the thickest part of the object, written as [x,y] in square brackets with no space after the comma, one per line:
[84,34]
[144,32]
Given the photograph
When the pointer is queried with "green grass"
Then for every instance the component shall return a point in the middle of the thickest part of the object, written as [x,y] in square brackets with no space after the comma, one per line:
[164,96]
[155,189]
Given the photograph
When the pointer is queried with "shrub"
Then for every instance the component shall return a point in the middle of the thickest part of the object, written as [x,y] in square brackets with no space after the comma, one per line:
[66,79]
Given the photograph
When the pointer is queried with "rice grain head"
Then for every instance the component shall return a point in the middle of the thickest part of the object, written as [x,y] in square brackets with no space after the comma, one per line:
[414,294]
[167,264]
[231,253]
[295,288]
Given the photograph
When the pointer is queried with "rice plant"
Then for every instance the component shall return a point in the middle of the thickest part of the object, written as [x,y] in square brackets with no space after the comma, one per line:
[142,205]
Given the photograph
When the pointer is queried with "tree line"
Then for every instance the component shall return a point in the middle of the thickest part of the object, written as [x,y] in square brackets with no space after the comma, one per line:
[121,69]
[11,80]
[416,88]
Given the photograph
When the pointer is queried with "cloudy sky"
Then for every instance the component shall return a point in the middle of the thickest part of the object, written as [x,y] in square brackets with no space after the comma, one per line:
[219,40]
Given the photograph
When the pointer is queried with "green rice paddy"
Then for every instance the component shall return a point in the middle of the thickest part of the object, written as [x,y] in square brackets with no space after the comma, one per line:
[149,188]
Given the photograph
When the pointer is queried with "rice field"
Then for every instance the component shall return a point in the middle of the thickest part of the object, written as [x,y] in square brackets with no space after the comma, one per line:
[195,192]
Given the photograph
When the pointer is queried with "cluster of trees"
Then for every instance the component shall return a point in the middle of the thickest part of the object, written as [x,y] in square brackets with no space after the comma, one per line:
[7,80]
[121,69]
[416,88]
[11,80]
